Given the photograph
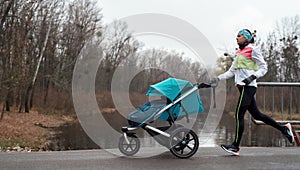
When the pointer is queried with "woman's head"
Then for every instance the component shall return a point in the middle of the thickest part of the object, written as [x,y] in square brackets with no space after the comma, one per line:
[244,37]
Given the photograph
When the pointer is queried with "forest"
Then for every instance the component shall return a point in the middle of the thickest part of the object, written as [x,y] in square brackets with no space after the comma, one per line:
[41,40]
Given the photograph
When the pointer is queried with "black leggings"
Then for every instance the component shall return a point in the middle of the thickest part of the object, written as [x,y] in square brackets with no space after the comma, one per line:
[247,102]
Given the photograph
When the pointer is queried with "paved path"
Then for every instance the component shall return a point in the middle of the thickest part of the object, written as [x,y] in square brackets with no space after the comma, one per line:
[205,158]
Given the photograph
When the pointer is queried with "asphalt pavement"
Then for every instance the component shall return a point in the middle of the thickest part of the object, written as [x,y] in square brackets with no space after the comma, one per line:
[155,158]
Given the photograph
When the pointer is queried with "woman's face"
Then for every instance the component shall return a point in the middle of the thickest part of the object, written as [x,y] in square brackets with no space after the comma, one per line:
[240,39]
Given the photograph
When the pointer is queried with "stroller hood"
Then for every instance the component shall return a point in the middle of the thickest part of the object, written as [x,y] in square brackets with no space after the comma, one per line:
[170,88]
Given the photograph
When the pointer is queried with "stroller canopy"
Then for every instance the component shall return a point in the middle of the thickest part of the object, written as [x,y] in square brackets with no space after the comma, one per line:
[173,88]
[170,88]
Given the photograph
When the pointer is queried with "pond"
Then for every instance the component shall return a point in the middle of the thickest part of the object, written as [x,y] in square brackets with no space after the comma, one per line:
[73,137]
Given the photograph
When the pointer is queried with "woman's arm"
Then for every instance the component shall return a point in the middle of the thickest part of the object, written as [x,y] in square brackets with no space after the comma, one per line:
[262,65]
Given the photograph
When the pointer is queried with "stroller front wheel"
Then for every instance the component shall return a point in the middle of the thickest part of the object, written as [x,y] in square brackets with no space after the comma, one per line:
[184,142]
[131,148]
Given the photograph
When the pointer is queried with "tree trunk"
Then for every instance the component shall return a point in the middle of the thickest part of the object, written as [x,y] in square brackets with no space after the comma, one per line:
[7,101]
[31,98]
[46,92]
[21,103]
[31,85]
[5,15]
[2,112]
[27,96]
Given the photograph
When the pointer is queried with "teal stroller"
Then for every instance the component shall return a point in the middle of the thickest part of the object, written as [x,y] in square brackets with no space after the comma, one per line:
[179,99]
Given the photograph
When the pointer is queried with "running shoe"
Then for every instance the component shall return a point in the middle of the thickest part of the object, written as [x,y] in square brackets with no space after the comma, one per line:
[288,132]
[231,149]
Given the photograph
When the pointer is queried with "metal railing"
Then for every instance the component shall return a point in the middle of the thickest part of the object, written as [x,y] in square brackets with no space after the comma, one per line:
[281,85]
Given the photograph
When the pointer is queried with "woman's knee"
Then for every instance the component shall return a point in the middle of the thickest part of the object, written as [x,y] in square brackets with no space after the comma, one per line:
[258,116]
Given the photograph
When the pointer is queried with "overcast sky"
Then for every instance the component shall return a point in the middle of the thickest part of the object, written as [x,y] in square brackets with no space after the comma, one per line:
[218,20]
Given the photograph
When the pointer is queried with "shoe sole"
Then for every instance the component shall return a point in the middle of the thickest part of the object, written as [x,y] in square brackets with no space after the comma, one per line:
[229,151]
[290,132]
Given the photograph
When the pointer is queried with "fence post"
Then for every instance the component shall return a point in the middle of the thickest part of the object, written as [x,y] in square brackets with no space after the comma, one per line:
[291,102]
[273,101]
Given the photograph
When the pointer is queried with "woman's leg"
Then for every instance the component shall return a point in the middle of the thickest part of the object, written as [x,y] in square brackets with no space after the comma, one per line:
[257,115]
[245,99]
[285,130]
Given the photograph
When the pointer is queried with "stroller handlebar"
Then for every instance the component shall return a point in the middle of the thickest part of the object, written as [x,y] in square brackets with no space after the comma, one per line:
[204,85]
[208,85]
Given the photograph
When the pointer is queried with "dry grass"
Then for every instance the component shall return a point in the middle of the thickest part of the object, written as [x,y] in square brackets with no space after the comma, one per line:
[27,129]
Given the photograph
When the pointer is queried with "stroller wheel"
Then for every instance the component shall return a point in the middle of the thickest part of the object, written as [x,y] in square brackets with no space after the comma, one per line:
[131,148]
[184,142]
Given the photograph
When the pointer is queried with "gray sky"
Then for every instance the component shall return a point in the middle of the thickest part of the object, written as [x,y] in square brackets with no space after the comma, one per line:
[219,20]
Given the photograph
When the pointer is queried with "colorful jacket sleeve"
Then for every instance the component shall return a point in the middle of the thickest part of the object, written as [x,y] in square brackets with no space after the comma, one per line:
[262,65]
[228,74]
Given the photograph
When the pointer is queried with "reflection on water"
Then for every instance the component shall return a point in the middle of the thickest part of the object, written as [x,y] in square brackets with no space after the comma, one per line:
[254,135]
[72,136]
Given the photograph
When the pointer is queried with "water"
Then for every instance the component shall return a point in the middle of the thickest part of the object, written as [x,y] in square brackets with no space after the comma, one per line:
[72,136]
[69,137]
[254,135]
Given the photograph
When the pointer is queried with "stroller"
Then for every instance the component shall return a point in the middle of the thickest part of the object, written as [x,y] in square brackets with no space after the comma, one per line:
[179,99]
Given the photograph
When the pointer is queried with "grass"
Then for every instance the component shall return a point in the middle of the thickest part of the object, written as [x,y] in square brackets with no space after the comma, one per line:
[8,144]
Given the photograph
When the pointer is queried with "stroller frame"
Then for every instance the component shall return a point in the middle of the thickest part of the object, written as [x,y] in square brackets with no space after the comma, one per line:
[175,137]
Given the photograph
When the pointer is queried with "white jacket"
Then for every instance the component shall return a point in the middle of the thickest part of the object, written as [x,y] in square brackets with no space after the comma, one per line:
[240,74]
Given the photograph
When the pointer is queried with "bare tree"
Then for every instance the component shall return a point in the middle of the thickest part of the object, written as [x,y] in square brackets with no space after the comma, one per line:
[118,44]
[288,30]
[42,42]
[270,50]
[80,25]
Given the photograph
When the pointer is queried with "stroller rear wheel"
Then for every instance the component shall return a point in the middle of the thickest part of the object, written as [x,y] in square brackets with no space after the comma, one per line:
[130,148]
[184,142]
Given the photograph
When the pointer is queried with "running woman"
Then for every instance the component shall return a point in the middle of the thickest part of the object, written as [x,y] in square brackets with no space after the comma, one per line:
[247,66]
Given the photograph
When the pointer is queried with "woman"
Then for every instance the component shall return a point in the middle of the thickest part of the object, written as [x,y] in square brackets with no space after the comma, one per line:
[247,66]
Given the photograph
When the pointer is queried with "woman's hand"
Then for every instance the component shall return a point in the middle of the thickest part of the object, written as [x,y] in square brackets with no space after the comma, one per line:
[249,79]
